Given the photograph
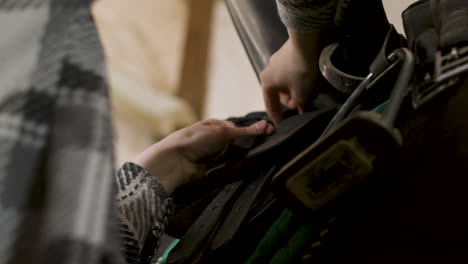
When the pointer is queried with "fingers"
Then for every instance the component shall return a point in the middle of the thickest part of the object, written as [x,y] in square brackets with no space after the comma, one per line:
[287,100]
[304,92]
[270,129]
[267,129]
[272,104]
[261,127]
[230,130]
[291,104]
[254,129]
[217,122]
[284,98]
[271,92]
[304,103]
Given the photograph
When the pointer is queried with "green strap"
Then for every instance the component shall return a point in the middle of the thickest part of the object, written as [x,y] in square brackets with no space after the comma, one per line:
[275,238]
[298,243]
[163,258]
[381,108]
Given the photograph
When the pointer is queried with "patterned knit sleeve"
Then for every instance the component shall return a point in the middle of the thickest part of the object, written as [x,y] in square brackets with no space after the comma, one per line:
[307,15]
[143,209]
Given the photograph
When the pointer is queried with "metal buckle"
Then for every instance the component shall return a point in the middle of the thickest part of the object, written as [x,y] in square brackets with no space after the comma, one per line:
[447,69]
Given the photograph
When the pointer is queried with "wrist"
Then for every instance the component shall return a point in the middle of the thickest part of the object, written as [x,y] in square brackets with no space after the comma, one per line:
[165,164]
[310,43]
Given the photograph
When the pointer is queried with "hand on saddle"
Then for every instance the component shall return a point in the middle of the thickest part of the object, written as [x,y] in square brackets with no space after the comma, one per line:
[181,157]
[292,75]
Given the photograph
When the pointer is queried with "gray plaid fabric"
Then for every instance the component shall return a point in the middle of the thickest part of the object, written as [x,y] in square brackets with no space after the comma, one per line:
[307,15]
[56,177]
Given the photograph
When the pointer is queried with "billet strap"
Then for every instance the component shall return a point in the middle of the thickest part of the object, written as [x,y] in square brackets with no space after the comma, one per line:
[204,225]
[239,211]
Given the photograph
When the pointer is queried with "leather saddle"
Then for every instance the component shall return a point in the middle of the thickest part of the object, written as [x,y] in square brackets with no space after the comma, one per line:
[417,214]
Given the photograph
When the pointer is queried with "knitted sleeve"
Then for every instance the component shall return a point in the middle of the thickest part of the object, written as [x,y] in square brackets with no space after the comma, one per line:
[143,209]
[307,15]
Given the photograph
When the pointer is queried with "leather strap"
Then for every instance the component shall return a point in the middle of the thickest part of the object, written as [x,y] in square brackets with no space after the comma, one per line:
[392,41]
[239,211]
[291,129]
[200,230]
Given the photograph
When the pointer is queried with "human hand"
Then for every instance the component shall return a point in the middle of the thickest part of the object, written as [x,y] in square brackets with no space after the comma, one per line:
[292,75]
[182,156]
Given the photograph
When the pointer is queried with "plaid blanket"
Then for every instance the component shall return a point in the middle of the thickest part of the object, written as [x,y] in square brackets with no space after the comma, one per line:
[57,190]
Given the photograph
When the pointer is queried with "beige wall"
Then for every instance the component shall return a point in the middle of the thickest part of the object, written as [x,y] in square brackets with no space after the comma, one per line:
[394,8]
[144,38]
[143,41]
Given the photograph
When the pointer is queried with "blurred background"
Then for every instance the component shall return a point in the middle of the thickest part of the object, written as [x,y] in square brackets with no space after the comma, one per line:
[173,62]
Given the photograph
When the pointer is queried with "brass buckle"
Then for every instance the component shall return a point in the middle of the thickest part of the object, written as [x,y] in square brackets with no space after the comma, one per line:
[447,70]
